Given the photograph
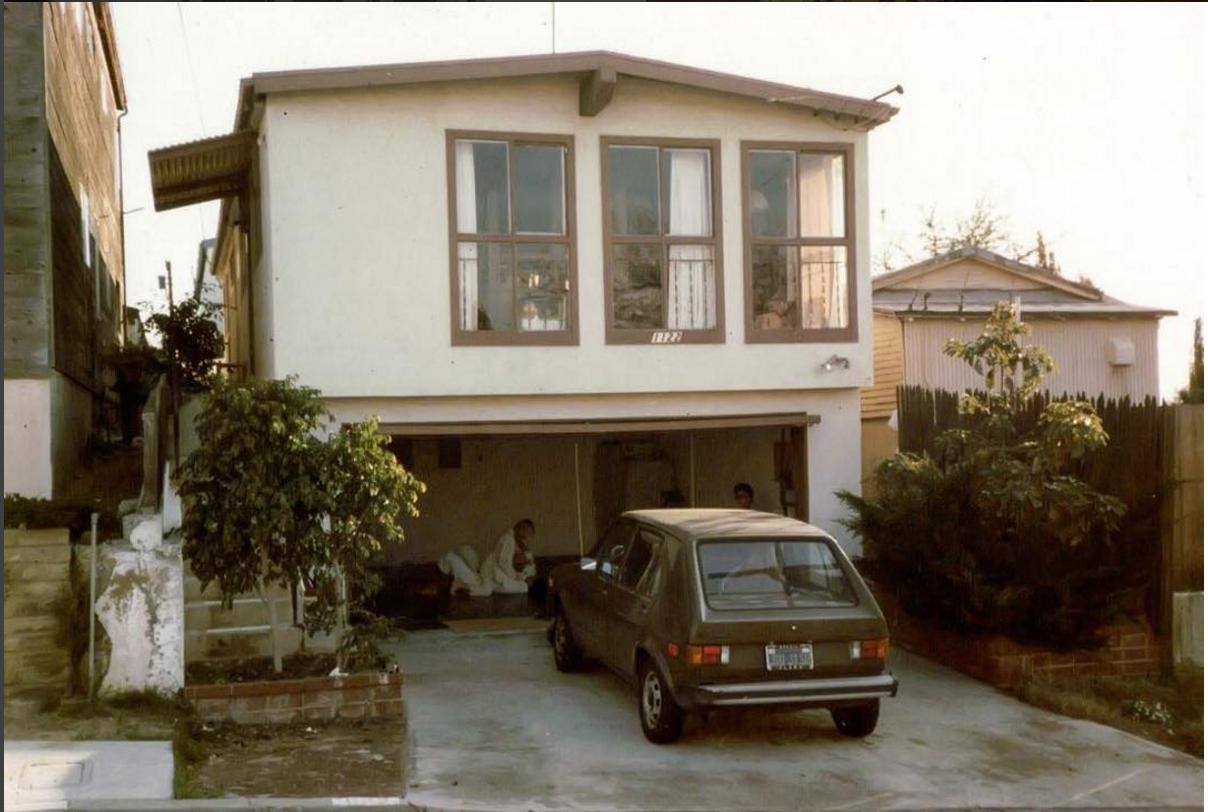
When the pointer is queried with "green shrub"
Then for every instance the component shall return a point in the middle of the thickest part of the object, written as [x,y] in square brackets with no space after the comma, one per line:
[990,531]
[42,514]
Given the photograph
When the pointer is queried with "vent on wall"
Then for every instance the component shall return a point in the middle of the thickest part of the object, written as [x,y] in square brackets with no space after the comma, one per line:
[1121,352]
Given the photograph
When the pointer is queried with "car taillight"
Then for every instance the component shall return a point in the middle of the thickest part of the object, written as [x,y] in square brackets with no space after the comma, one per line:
[708,655]
[672,650]
[870,649]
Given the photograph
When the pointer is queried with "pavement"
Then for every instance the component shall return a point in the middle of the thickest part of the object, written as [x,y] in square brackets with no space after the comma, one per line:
[495,727]
[49,775]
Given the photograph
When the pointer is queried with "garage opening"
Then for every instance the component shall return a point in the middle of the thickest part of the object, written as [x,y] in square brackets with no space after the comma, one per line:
[572,484]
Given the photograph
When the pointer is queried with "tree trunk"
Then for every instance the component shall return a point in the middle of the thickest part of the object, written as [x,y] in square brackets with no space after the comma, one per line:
[274,632]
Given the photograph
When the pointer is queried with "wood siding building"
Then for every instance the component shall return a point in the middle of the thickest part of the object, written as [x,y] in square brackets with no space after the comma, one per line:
[64,269]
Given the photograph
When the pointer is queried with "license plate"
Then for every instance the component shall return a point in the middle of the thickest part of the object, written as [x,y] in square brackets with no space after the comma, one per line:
[798,657]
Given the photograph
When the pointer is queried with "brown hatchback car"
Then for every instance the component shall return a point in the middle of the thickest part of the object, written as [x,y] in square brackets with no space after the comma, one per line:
[705,609]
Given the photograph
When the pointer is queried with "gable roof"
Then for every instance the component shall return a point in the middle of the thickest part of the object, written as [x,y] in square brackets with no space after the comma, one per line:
[600,68]
[1056,296]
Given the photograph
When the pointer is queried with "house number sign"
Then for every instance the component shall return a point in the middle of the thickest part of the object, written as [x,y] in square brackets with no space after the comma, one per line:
[667,337]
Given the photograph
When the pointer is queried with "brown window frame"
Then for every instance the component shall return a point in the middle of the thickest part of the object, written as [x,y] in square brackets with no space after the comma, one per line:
[495,338]
[850,333]
[621,335]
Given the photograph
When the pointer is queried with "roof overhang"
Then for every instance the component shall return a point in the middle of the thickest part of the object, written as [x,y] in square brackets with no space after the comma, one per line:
[199,171]
[1005,264]
[598,72]
[109,46]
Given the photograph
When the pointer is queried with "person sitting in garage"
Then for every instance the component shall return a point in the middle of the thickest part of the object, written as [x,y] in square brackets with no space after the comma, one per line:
[510,567]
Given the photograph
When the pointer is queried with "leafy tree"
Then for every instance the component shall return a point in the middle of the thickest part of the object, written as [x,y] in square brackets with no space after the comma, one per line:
[269,502]
[190,332]
[1193,392]
[993,530]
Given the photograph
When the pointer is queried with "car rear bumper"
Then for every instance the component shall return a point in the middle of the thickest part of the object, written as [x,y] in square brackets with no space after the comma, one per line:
[805,693]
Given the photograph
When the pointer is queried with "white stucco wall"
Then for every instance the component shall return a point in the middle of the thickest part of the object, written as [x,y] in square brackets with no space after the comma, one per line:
[357,244]
[27,437]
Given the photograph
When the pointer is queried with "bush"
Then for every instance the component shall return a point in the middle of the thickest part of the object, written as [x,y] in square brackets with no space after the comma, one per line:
[42,514]
[990,531]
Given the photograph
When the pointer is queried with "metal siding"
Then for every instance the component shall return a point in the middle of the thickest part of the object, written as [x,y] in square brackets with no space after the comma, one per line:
[1078,346]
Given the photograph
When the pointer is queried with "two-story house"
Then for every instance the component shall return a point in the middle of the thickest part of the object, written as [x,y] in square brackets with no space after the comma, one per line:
[568,285]
[64,268]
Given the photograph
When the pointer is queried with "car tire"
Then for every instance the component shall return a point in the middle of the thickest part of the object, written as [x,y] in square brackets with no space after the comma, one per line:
[567,654]
[662,719]
[858,721]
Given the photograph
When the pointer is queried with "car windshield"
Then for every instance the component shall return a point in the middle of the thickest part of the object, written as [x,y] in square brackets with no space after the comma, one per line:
[772,574]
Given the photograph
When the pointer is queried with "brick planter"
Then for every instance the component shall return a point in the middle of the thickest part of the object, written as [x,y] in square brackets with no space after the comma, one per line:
[359,696]
[1131,649]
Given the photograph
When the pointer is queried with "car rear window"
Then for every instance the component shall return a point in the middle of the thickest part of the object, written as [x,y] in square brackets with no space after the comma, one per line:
[772,574]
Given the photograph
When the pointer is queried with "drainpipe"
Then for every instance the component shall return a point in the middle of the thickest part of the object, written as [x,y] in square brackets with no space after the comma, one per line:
[121,207]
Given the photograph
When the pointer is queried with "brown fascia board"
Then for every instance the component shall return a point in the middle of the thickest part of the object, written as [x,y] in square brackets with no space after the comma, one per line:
[866,114]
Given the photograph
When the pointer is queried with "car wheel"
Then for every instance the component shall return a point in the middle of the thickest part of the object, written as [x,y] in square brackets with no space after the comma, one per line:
[567,654]
[857,721]
[662,719]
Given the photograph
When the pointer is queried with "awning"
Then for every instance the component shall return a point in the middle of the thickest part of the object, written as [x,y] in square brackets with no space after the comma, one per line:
[210,169]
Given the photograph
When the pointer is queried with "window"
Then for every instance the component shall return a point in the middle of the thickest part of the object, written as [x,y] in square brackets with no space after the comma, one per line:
[772,574]
[800,252]
[639,571]
[511,213]
[662,243]
[610,551]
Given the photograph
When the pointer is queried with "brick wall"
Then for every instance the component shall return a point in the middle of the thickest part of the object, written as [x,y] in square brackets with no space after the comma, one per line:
[360,696]
[1130,649]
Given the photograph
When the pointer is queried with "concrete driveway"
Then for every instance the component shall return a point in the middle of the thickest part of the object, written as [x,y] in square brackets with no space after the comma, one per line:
[494,726]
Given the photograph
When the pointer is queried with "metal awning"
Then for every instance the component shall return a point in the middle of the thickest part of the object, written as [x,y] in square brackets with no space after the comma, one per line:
[210,169]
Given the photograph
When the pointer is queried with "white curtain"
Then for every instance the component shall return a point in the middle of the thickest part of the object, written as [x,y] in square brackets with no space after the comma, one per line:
[823,270]
[691,301]
[467,223]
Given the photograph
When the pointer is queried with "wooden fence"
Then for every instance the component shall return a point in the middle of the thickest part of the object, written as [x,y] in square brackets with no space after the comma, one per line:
[1153,463]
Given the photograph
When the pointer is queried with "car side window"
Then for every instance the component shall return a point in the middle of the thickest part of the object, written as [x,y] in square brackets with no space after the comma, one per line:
[612,549]
[639,565]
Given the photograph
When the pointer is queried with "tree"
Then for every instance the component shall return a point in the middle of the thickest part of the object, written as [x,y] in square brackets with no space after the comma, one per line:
[983,228]
[992,529]
[268,502]
[189,333]
[1193,392]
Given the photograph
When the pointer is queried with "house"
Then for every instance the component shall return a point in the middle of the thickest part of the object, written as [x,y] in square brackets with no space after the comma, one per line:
[1101,345]
[568,285]
[206,287]
[64,269]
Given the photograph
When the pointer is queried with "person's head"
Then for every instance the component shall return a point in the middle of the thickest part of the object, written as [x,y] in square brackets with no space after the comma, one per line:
[673,499]
[524,531]
[744,495]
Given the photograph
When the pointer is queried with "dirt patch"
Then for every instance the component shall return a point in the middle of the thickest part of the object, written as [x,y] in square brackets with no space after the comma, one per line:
[258,669]
[1166,711]
[362,759]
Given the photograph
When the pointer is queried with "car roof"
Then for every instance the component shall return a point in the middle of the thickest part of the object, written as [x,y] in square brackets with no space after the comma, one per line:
[697,523]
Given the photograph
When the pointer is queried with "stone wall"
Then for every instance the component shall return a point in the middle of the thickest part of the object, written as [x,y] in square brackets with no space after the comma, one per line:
[37,570]
[360,696]
[1131,649]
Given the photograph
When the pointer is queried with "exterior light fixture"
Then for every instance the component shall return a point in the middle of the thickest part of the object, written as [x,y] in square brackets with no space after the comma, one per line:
[836,361]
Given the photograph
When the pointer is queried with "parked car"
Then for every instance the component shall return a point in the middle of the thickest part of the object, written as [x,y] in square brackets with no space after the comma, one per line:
[703,609]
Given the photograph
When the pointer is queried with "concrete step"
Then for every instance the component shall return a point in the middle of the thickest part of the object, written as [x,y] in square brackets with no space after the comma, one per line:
[29,642]
[45,591]
[209,614]
[24,606]
[37,554]
[21,572]
[36,538]
[194,592]
[247,642]
[29,624]
[28,669]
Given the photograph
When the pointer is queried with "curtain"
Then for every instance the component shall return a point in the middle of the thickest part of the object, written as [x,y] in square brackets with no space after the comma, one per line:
[823,270]
[467,223]
[691,303]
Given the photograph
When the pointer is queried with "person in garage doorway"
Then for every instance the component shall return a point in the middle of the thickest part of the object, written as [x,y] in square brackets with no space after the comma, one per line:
[744,495]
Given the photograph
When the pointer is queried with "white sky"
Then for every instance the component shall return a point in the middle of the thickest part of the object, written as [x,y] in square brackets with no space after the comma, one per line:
[1086,122]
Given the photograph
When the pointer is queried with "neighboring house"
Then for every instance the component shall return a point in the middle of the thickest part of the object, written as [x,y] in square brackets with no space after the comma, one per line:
[64,269]
[1101,346]
[568,285]
[207,287]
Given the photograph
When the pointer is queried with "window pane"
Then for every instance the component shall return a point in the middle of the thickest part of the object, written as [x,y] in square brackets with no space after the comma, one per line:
[633,186]
[824,287]
[539,190]
[482,187]
[774,287]
[759,574]
[686,184]
[542,285]
[637,287]
[641,554]
[770,195]
[820,179]
[485,286]
[691,289]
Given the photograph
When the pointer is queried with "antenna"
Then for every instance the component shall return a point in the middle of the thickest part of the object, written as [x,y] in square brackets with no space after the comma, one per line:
[894,89]
[553,28]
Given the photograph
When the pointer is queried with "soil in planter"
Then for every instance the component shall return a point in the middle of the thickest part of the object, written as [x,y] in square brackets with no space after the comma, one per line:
[257,669]
[304,760]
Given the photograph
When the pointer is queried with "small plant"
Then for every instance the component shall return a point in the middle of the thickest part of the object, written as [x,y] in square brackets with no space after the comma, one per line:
[1145,711]
[190,334]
